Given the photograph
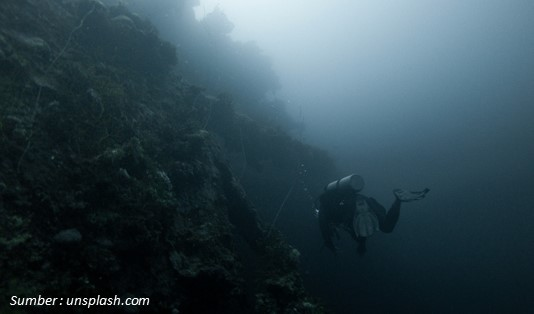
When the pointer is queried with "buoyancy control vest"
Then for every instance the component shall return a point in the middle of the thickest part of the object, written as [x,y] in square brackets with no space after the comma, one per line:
[365,221]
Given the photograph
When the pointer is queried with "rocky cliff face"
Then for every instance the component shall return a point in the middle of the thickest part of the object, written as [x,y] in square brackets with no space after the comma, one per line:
[111,181]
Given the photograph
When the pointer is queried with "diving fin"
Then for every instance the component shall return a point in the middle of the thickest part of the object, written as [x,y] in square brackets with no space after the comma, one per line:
[408,196]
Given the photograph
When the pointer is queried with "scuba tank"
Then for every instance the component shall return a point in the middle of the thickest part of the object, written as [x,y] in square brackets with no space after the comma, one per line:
[352,181]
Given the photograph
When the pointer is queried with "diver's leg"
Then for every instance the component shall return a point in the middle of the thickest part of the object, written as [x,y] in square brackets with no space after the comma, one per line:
[361,246]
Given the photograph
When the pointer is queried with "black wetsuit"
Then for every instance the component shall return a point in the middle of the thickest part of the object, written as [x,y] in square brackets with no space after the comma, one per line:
[337,207]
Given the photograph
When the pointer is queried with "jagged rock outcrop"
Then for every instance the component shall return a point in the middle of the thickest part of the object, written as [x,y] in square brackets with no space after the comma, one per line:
[109,182]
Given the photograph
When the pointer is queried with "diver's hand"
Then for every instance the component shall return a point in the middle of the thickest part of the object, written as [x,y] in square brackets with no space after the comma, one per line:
[409,196]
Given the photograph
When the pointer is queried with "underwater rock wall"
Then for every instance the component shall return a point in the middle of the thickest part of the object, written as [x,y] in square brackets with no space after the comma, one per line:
[109,182]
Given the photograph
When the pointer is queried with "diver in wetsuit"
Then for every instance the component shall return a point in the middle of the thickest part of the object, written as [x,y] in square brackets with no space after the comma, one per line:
[341,204]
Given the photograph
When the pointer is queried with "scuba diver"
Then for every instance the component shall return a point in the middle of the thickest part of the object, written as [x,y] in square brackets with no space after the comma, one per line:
[341,204]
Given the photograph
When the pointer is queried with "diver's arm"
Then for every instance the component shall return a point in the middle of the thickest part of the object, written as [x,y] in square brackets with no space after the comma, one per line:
[386,221]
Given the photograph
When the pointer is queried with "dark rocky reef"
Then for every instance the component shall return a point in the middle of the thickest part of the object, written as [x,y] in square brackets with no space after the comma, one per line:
[113,175]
